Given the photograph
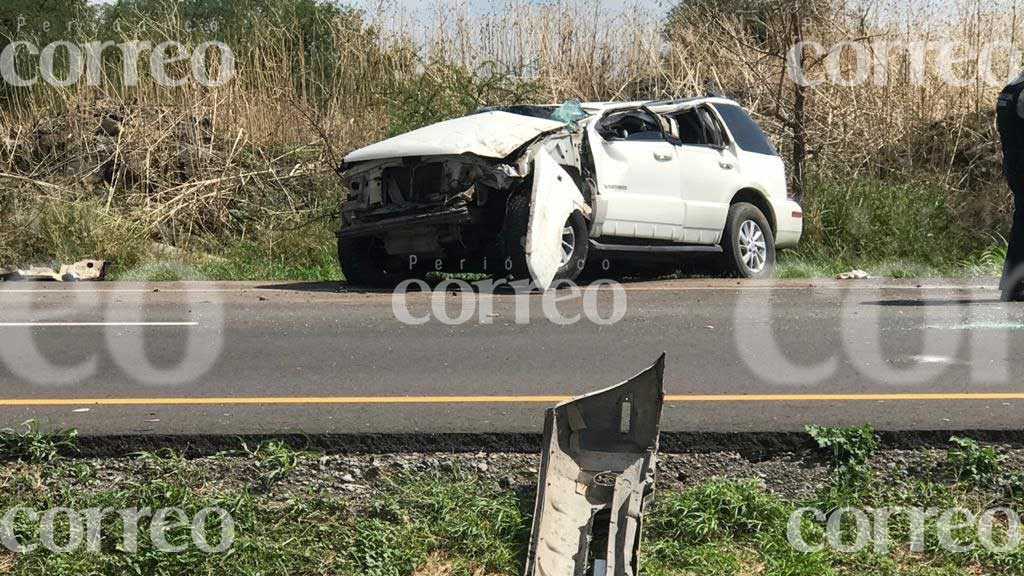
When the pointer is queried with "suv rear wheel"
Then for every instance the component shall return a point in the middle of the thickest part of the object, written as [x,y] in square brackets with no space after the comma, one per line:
[749,244]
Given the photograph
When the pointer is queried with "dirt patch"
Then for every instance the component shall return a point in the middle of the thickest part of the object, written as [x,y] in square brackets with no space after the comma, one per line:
[438,565]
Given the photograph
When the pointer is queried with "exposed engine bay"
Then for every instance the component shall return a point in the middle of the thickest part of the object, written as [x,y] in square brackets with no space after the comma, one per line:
[450,208]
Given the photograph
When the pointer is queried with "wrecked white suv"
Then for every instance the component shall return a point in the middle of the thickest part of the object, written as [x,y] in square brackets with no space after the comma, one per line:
[552,191]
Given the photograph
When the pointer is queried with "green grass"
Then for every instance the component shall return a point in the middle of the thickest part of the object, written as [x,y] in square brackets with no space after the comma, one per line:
[808,263]
[457,523]
[307,254]
[30,443]
[897,228]
[902,228]
[275,461]
[972,462]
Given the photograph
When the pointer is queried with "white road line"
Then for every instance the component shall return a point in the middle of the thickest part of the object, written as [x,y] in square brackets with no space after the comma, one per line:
[979,326]
[628,287]
[131,290]
[937,288]
[86,324]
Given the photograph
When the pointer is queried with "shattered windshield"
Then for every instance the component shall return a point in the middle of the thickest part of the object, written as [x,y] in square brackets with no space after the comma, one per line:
[569,112]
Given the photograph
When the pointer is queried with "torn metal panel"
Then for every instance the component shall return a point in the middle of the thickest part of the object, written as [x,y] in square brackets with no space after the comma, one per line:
[597,479]
[555,197]
[83,270]
[490,135]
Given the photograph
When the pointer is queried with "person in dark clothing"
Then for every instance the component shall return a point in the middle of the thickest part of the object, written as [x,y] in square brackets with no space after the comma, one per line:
[1010,116]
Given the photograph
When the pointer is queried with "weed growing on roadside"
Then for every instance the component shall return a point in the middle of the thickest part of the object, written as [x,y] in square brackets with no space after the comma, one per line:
[974,462]
[463,516]
[850,447]
[275,461]
[726,527]
[34,446]
[717,510]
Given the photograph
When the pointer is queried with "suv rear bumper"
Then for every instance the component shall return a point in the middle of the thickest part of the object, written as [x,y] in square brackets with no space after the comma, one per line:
[789,218]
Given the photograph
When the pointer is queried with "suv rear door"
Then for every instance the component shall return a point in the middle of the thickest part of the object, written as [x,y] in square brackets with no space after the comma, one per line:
[708,171]
[758,158]
[637,176]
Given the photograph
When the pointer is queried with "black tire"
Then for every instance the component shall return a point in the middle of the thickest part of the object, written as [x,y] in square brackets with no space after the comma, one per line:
[513,234]
[363,263]
[746,227]
[517,222]
[581,248]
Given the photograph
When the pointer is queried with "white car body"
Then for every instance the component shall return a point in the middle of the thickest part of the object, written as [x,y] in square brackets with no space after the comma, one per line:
[667,187]
[682,193]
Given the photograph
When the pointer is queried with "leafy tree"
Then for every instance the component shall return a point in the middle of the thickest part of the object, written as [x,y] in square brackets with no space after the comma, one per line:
[40,22]
[304,28]
[753,14]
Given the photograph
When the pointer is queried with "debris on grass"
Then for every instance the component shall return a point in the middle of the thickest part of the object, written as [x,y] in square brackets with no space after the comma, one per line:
[79,271]
[597,479]
[853,275]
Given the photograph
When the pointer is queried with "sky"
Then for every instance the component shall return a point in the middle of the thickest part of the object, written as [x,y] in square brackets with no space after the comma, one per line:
[419,6]
[484,5]
[417,18]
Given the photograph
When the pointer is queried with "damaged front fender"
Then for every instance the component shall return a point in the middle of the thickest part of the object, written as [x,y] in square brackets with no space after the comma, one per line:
[555,198]
[597,479]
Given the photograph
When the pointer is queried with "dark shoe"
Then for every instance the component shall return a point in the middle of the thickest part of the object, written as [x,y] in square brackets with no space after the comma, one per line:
[1013,295]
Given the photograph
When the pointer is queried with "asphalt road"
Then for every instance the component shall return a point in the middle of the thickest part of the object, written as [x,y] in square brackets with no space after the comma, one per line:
[233,358]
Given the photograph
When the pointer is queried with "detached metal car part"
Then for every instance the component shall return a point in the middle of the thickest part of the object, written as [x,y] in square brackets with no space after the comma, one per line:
[597,479]
[537,191]
[79,271]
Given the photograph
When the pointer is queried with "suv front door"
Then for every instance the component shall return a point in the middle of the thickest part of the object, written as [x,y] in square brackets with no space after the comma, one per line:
[637,177]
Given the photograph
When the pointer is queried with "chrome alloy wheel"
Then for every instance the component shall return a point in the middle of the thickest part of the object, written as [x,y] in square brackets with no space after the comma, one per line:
[568,244]
[753,248]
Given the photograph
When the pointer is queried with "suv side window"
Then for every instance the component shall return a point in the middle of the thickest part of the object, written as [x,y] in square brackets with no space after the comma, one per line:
[631,126]
[699,127]
[747,133]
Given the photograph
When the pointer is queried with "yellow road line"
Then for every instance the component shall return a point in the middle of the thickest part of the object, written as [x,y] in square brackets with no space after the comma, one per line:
[764,398]
[282,400]
[845,397]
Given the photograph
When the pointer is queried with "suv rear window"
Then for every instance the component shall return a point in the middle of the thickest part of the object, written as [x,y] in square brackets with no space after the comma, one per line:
[747,133]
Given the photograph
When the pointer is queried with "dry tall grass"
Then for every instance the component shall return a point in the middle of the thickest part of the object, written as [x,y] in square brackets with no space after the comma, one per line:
[176,164]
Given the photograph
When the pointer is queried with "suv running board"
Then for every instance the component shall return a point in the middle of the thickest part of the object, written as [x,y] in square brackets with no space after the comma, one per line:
[667,249]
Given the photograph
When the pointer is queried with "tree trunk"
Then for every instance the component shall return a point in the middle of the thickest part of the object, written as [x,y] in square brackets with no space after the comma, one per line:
[799,142]
[799,118]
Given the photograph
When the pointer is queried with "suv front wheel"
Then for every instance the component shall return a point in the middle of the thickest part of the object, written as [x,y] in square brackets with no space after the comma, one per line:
[575,244]
[364,263]
[748,243]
